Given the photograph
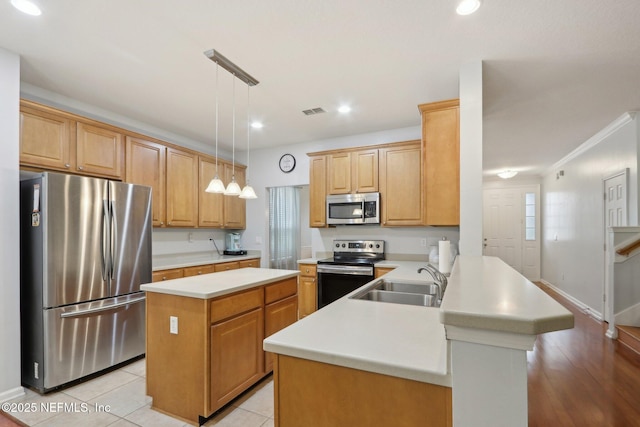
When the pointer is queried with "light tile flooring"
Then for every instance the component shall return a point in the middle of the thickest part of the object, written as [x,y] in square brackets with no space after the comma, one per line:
[123,390]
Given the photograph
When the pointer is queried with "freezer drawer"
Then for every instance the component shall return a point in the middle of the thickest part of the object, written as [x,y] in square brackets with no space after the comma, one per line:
[86,338]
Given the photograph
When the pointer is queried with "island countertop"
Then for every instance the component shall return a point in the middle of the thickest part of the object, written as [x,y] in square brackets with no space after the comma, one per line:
[213,285]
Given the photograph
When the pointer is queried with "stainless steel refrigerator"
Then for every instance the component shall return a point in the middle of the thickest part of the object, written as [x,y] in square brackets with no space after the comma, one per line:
[85,251]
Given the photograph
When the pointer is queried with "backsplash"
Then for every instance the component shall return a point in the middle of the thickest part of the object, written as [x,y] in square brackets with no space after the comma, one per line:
[186,240]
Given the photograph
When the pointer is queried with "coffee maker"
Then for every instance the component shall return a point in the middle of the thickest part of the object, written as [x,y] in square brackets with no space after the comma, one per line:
[233,245]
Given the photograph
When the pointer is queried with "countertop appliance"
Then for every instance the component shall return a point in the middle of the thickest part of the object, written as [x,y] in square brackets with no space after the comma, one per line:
[85,251]
[351,267]
[232,245]
[346,209]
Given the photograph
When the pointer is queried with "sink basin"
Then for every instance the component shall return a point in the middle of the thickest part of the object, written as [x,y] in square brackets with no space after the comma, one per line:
[412,288]
[400,298]
[421,294]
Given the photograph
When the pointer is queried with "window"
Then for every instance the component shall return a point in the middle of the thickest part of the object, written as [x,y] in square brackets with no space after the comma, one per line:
[530,216]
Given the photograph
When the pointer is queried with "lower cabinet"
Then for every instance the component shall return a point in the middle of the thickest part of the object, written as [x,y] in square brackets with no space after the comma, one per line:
[217,352]
[307,290]
[177,273]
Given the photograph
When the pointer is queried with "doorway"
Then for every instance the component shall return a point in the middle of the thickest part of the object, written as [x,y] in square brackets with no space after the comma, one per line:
[511,227]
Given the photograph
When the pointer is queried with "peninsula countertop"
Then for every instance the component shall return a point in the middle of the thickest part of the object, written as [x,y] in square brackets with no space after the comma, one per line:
[213,285]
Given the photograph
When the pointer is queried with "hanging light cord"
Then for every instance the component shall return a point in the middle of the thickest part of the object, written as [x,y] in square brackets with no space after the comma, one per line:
[233,135]
[248,127]
[217,96]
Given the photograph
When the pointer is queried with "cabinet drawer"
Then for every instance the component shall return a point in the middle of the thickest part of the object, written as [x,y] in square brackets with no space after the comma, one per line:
[308,269]
[199,269]
[280,290]
[227,306]
[250,263]
[176,273]
[224,266]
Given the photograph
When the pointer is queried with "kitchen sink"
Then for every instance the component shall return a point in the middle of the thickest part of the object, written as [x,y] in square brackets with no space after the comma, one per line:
[425,295]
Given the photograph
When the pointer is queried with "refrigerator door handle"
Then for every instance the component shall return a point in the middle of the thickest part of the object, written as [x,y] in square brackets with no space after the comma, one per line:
[104,250]
[114,233]
[104,308]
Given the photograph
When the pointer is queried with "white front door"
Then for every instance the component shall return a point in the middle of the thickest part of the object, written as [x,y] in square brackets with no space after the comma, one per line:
[615,205]
[511,227]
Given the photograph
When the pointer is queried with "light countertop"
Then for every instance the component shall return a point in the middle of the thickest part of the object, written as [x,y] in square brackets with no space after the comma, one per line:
[213,285]
[486,293]
[392,339]
[168,261]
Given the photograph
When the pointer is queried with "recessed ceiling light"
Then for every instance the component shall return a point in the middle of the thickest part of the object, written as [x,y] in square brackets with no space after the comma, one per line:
[467,7]
[507,174]
[344,109]
[256,125]
[25,6]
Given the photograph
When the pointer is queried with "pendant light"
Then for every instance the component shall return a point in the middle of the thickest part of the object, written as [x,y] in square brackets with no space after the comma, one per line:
[233,189]
[216,185]
[247,191]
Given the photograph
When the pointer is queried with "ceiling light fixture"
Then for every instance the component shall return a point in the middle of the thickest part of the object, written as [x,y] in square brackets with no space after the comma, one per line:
[507,174]
[467,7]
[344,109]
[216,185]
[248,192]
[26,6]
[256,125]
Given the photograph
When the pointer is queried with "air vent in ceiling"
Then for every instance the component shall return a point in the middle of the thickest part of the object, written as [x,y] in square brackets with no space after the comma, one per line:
[312,111]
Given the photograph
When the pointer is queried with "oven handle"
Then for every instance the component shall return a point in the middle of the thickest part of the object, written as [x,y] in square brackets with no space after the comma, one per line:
[346,269]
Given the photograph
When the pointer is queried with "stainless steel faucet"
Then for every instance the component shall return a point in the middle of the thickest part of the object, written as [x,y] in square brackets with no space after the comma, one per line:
[438,278]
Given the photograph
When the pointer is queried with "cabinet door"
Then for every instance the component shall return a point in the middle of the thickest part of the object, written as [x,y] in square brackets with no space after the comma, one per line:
[364,167]
[307,295]
[234,207]
[255,263]
[441,143]
[278,316]
[318,191]
[99,151]
[400,185]
[381,271]
[145,165]
[45,139]
[210,205]
[182,188]
[237,359]
[198,270]
[224,266]
[339,168]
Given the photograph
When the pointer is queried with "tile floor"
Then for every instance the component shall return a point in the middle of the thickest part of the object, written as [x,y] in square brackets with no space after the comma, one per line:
[123,390]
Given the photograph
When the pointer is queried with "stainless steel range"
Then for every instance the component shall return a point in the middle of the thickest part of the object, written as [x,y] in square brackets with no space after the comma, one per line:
[352,266]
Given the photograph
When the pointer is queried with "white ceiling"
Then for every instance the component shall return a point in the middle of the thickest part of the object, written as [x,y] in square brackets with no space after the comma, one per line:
[555,71]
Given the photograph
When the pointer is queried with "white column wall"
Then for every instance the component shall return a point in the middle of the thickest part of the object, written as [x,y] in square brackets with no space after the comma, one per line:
[471,159]
[9,227]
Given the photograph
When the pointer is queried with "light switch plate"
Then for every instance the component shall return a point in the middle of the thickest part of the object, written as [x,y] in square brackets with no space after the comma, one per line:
[173,324]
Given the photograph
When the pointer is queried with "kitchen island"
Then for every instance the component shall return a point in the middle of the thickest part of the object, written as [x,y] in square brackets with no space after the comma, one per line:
[204,336]
[488,310]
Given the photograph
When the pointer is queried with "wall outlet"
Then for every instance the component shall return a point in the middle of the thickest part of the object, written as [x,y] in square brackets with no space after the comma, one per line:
[258,240]
[173,325]
[423,243]
[190,237]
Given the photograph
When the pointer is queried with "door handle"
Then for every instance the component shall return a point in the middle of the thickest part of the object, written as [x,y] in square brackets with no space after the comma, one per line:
[103,308]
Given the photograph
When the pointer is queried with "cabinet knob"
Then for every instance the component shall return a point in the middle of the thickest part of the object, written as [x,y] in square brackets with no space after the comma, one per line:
[67,165]
[307,270]
[199,272]
[80,168]
[161,222]
[164,277]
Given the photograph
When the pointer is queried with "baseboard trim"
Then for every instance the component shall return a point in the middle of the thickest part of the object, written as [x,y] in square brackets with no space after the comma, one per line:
[12,394]
[579,304]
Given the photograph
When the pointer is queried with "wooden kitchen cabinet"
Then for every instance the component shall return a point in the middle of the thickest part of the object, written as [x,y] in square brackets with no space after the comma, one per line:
[182,188]
[224,266]
[210,205]
[307,290]
[235,208]
[55,140]
[176,273]
[364,171]
[173,273]
[441,162]
[401,185]
[255,263]
[381,271]
[145,165]
[199,270]
[339,173]
[318,191]
[281,310]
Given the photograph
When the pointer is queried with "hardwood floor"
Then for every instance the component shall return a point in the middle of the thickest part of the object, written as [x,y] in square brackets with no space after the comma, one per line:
[578,377]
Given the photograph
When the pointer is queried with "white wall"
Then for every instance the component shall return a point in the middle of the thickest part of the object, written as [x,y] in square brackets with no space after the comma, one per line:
[573,256]
[9,227]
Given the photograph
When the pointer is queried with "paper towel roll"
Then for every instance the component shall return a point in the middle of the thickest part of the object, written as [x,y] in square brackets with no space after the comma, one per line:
[444,256]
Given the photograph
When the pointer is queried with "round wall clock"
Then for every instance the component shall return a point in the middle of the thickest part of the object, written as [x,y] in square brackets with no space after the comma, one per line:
[287,163]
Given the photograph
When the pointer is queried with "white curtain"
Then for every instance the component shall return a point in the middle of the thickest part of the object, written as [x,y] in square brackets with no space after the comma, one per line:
[284,227]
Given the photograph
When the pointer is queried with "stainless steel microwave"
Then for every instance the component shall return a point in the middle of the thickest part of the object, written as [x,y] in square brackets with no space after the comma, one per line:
[362,208]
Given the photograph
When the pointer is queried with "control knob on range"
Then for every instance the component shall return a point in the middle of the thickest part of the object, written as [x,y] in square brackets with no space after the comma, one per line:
[337,245]
[343,245]
[370,245]
[378,246]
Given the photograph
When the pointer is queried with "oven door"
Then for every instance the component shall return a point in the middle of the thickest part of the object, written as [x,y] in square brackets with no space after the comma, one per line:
[336,281]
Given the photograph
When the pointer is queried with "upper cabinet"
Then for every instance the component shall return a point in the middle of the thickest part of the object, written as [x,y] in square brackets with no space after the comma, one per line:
[182,188]
[235,212]
[400,185]
[441,162]
[352,172]
[317,191]
[55,140]
[145,165]
[215,209]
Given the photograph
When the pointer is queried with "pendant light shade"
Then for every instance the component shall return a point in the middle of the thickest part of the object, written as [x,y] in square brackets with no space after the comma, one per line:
[233,189]
[248,193]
